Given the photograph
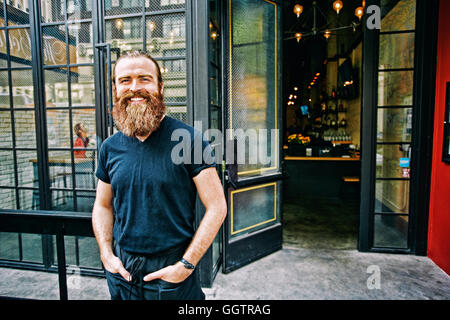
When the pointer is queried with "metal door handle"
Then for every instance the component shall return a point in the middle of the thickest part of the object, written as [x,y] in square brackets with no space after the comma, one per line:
[229,179]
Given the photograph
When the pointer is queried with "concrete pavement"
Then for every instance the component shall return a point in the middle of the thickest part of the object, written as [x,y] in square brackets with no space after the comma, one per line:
[289,274]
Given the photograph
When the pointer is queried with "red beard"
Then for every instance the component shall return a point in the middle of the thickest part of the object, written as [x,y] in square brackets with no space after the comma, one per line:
[138,119]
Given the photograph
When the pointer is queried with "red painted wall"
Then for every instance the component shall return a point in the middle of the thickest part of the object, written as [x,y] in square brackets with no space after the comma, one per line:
[439,214]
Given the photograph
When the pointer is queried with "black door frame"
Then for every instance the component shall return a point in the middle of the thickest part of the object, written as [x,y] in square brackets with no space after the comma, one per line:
[422,142]
[269,239]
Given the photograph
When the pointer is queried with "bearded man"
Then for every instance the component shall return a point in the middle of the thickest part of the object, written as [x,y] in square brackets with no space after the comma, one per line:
[143,216]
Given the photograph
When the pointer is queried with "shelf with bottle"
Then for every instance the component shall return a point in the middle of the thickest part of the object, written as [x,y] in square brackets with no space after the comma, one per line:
[337,137]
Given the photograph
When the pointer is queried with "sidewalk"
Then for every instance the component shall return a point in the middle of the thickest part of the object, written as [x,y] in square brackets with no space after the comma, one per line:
[289,274]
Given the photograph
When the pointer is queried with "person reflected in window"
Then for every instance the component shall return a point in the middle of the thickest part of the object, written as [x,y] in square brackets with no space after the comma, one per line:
[82,140]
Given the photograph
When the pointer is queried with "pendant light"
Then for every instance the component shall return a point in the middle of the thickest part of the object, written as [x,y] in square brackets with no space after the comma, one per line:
[338,5]
[298,9]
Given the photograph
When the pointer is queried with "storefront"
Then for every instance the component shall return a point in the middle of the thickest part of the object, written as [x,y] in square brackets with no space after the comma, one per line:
[222,65]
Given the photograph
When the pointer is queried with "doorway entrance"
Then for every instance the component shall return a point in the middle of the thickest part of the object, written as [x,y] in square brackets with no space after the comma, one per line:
[322,100]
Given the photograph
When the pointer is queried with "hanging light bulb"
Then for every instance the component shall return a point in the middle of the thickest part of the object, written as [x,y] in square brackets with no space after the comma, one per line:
[327,34]
[298,36]
[119,23]
[298,9]
[359,12]
[214,35]
[338,5]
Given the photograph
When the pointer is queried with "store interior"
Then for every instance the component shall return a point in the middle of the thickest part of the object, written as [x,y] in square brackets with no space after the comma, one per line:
[322,110]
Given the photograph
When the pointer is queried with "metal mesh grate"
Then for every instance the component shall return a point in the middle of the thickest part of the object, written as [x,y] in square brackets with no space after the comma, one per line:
[253,80]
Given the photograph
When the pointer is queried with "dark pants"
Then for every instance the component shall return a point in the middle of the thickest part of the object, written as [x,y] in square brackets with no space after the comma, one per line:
[139,266]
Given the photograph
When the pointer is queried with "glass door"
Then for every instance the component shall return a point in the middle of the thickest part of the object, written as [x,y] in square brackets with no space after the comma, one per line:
[252,149]
[388,133]
[47,76]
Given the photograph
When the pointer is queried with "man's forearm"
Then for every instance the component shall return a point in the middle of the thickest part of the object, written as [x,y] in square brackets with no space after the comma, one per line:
[205,234]
[102,224]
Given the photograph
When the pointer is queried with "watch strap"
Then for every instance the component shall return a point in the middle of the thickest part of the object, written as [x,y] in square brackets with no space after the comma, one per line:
[187,264]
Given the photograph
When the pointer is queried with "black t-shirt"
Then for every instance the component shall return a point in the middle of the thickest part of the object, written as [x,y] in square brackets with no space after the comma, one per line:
[154,194]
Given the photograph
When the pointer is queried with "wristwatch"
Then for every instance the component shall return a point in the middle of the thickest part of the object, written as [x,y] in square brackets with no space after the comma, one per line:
[187,264]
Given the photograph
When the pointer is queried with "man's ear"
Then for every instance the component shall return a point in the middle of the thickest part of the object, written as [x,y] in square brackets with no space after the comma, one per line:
[161,88]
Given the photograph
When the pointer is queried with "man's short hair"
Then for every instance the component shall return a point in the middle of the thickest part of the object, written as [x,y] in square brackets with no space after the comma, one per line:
[137,54]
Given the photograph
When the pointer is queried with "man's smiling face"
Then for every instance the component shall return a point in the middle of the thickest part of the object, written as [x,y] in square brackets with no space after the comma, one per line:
[139,106]
[134,74]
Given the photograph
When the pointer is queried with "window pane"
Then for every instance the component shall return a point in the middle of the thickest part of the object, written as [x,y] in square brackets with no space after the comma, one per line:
[32,247]
[85,118]
[79,9]
[22,81]
[27,169]
[54,45]
[174,77]
[56,90]
[179,113]
[7,169]
[166,35]
[52,10]
[254,208]
[395,88]
[116,7]
[394,125]
[21,13]
[396,51]
[5,129]
[80,43]
[25,128]
[9,245]
[164,4]
[85,174]
[254,80]
[8,199]
[391,231]
[58,129]
[62,200]
[20,47]
[85,200]
[3,58]
[89,253]
[29,199]
[60,169]
[401,16]
[83,86]
[125,33]
[389,164]
[4,88]
[392,196]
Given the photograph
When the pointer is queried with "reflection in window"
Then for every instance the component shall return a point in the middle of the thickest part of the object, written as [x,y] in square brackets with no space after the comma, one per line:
[131,3]
[171,2]
[132,28]
[173,26]
[19,4]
